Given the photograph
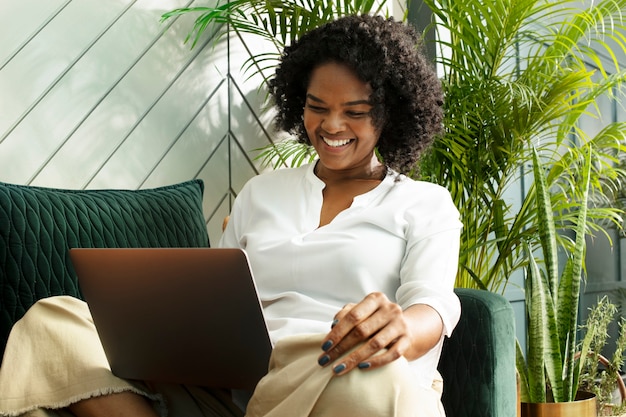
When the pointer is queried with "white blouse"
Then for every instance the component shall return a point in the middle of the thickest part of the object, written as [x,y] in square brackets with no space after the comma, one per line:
[401,238]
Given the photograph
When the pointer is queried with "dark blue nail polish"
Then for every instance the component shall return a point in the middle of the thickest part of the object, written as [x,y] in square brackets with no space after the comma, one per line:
[323,360]
[364,365]
[339,368]
[334,323]
[327,345]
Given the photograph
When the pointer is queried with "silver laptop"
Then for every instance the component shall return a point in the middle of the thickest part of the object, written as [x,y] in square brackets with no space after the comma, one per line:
[184,315]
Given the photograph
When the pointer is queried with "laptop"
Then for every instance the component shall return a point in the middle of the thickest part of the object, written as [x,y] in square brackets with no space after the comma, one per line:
[182,315]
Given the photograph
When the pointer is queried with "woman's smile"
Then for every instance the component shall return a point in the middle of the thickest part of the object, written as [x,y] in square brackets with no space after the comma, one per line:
[336,143]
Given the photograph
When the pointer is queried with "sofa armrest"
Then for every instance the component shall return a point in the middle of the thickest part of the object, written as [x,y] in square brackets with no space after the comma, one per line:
[478,360]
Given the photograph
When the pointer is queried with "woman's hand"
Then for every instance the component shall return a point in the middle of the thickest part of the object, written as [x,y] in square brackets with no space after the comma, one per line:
[383,331]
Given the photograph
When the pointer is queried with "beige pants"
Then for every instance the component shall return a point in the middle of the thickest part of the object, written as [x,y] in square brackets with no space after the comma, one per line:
[54,358]
[296,382]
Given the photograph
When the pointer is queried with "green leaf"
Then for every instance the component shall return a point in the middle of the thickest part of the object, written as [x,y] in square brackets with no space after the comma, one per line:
[569,287]
[544,356]
[545,223]
[288,152]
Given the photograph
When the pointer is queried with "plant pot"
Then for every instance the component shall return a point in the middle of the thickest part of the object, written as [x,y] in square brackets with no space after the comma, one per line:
[583,406]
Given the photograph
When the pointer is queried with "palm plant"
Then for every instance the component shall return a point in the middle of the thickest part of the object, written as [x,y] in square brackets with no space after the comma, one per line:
[517,74]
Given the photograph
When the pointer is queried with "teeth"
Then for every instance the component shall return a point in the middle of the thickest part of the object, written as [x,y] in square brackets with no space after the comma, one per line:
[336,143]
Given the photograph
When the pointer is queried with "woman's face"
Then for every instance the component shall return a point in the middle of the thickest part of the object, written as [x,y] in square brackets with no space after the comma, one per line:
[337,118]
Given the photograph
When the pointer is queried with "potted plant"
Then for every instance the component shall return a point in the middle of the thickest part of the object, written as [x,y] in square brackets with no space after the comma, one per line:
[600,374]
[549,370]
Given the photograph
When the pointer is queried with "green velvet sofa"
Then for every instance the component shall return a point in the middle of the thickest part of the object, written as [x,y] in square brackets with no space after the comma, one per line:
[38,226]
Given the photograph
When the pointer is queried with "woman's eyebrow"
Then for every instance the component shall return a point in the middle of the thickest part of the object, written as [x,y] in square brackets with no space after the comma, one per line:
[313,98]
[349,103]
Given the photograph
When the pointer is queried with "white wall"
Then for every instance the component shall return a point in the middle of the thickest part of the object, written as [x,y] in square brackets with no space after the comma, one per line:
[100,94]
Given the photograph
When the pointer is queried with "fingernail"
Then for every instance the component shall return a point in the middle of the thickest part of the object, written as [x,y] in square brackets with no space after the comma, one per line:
[364,365]
[339,368]
[323,360]
[334,323]
[327,345]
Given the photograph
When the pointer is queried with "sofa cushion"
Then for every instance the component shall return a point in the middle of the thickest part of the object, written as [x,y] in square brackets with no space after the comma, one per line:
[38,225]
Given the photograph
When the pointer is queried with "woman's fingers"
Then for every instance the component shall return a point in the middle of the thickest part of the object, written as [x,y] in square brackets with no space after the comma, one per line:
[376,324]
[350,326]
[374,353]
[344,310]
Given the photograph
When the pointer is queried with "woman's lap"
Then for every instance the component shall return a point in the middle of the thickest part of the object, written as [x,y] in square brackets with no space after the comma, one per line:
[297,382]
[54,358]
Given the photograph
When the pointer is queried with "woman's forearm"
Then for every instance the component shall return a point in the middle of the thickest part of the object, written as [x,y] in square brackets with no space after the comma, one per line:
[426,329]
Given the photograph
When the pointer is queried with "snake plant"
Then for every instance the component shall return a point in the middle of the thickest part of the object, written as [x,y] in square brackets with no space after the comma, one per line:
[550,369]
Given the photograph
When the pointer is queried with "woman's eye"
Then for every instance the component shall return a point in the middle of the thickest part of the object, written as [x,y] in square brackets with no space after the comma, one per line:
[315,109]
[358,114]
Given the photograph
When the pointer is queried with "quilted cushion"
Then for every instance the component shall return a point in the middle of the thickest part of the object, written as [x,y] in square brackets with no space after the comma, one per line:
[478,360]
[38,225]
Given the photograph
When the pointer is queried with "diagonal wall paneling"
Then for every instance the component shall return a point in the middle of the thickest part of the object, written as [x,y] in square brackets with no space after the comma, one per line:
[102,95]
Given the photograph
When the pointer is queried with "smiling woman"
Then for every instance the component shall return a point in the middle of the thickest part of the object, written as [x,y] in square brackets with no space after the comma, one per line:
[348,88]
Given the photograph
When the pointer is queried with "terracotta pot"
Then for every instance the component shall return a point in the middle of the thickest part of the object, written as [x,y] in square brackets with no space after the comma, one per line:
[584,406]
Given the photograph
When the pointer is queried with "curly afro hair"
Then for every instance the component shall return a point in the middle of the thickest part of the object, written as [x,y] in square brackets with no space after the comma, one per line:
[406,95]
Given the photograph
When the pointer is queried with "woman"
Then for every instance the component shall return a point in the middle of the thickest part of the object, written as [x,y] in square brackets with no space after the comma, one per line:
[355,262]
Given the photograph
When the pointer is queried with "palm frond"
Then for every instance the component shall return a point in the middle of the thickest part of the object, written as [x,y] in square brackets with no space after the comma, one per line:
[286,153]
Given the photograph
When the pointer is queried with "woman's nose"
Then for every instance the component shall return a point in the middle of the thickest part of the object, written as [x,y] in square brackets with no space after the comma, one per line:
[333,123]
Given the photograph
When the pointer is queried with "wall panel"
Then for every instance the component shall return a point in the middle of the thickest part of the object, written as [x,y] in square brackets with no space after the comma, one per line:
[102,95]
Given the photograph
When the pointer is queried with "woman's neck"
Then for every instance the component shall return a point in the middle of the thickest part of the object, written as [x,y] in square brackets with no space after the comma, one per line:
[375,171]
